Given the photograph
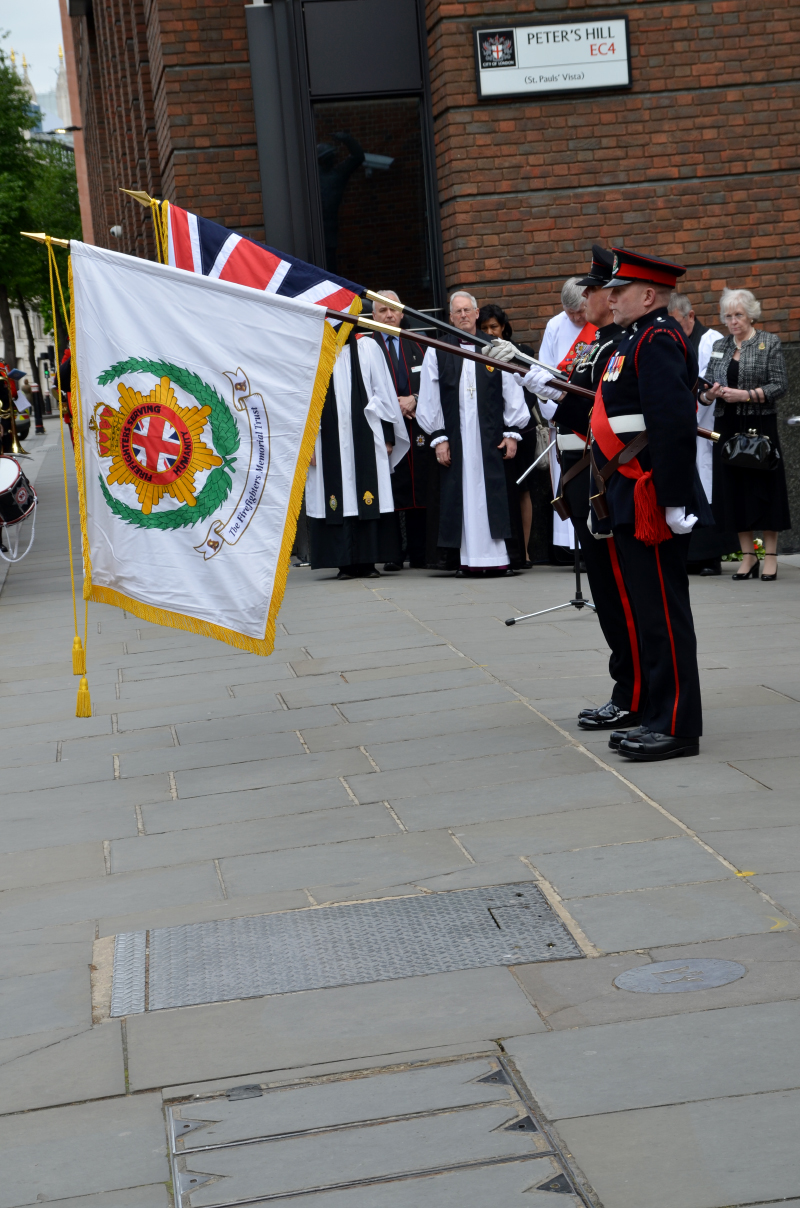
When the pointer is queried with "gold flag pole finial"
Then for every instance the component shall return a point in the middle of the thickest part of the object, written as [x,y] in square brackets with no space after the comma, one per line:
[144,199]
[42,237]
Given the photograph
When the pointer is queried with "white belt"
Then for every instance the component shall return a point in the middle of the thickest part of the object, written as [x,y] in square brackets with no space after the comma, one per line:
[626,423]
[570,443]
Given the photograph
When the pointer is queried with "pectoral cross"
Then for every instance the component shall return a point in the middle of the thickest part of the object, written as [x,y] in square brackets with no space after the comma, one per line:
[470,388]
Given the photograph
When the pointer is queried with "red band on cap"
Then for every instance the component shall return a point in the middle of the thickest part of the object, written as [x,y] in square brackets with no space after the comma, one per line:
[642,273]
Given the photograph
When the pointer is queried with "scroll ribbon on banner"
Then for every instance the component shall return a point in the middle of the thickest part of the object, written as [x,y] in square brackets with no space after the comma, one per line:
[228,532]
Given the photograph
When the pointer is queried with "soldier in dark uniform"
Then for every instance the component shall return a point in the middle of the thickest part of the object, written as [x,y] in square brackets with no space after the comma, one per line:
[571,417]
[410,479]
[649,493]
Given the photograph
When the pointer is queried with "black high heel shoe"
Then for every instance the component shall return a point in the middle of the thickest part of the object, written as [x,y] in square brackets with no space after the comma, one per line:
[771,578]
[752,573]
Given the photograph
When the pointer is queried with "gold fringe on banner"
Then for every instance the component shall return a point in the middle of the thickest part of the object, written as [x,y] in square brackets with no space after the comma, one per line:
[83,707]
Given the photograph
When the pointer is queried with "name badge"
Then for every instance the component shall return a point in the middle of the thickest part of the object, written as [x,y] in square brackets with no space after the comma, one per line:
[714,354]
[416,369]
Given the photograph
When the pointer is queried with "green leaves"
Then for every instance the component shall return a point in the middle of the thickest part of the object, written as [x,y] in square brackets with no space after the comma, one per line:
[38,192]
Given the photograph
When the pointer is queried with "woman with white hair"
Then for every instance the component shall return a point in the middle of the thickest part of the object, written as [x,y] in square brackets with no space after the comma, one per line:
[748,375]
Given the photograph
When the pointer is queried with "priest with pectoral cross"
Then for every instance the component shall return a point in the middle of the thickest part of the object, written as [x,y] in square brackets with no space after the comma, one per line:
[474,415]
[362,437]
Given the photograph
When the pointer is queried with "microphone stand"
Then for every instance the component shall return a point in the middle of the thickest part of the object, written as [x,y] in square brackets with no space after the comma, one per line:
[577,600]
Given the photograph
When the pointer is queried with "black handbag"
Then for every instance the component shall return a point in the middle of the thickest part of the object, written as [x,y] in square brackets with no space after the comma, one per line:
[750,450]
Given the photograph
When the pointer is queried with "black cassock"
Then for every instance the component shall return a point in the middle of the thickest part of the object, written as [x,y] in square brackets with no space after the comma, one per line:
[411,478]
[349,505]
[476,522]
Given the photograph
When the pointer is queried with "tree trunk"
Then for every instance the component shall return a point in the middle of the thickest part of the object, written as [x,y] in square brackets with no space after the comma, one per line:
[7,325]
[61,330]
[36,393]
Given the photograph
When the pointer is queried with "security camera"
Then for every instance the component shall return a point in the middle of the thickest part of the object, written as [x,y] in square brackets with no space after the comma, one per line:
[116,231]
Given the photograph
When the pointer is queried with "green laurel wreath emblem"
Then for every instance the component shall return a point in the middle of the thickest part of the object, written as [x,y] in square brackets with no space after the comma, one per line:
[224,433]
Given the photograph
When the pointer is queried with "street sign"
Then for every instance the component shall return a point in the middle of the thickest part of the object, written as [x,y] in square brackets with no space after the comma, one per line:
[575,56]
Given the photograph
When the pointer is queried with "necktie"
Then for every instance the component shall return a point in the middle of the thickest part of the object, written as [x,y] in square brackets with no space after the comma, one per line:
[400,375]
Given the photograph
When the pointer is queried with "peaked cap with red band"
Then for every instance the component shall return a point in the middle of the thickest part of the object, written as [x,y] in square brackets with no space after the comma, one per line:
[600,271]
[633,266]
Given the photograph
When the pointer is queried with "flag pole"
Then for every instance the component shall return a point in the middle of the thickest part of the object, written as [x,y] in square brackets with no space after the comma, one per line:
[448,327]
[468,354]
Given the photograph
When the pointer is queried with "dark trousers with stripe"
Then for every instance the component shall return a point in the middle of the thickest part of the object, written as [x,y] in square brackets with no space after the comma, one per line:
[658,587]
[615,614]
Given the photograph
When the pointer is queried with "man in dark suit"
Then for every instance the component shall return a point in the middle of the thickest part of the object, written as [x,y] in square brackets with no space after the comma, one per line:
[410,478]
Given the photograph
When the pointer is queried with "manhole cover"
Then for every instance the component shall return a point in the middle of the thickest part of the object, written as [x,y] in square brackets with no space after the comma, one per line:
[429,1136]
[677,977]
[336,946]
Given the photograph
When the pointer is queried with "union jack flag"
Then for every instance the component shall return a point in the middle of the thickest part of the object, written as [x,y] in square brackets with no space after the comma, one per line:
[202,246]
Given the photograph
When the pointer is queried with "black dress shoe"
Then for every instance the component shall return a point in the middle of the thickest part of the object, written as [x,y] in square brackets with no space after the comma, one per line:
[707,571]
[607,717]
[392,566]
[650,746]
[618,735]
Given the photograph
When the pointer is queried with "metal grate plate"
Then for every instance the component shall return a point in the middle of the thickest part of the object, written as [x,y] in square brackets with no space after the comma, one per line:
[436,1135]
[346,945]
[127,992]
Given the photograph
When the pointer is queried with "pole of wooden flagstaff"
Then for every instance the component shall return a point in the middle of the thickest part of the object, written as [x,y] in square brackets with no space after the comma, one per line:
[430,342]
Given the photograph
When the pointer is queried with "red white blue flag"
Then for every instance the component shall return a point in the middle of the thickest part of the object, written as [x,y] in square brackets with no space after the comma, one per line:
[202,246]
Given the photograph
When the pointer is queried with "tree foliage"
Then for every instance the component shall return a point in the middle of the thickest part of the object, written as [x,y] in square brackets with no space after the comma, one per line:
[38,192]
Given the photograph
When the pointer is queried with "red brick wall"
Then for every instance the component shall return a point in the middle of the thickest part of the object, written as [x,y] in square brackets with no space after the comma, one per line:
[698,162]
[167,107]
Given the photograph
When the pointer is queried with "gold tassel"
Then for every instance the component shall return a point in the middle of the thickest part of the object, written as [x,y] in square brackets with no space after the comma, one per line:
[84,706]
[78,659]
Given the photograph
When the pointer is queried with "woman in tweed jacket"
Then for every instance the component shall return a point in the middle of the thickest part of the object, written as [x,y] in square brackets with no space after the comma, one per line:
[748,372]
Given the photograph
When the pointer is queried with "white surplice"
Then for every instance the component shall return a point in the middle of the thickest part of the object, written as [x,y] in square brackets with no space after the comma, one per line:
[478,546]
[559,336]
[382,405]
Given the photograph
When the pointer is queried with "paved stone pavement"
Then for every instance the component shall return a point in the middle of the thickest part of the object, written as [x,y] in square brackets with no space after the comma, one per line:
[400,741]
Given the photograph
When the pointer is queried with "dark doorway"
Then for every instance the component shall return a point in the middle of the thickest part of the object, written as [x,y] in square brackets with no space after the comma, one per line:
[370,158]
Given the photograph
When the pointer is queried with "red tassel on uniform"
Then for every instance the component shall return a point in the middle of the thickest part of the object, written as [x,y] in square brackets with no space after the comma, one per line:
[651,524]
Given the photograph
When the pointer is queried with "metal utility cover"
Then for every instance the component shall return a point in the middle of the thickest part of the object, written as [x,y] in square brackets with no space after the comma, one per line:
[436,1136]
[678,977]
[346,945]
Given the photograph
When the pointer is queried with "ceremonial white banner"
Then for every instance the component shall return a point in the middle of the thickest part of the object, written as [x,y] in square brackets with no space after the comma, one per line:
[197,405]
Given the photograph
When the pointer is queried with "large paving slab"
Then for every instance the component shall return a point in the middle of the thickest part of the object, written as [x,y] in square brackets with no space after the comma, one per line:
[401,741]
[325,1025]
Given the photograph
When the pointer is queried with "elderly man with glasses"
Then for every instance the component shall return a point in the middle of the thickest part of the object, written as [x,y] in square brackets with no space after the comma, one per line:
[474,415]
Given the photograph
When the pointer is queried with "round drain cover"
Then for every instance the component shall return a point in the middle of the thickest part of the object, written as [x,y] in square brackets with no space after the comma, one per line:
[674,977]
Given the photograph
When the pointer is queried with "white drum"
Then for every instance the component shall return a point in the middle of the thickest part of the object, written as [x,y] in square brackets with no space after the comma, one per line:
[17,496]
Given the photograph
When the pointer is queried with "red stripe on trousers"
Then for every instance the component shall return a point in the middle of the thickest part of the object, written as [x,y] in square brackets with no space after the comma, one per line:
[671,640]
[181,240]
[632,637]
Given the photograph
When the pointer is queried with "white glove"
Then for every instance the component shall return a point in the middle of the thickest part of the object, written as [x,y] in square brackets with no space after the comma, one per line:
[502,350]
[535,379]
[679,522]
